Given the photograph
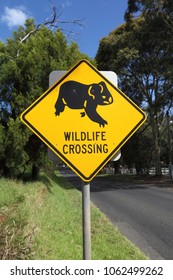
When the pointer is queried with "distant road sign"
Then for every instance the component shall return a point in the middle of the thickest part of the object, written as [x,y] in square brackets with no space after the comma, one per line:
[84,119]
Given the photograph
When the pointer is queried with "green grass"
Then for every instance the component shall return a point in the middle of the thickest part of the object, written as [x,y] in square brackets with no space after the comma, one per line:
[43,220]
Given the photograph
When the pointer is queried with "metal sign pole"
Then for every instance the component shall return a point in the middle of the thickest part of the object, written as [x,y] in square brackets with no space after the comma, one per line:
[86,221]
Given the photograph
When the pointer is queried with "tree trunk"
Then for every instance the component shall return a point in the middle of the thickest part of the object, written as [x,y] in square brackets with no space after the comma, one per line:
[157,145]
[157,158]
[116,167]
[35,172]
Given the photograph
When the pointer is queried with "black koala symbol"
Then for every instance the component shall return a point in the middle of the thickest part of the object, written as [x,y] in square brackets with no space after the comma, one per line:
[79,96]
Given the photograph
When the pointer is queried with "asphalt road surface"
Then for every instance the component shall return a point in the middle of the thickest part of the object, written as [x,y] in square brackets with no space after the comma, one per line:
[142,212]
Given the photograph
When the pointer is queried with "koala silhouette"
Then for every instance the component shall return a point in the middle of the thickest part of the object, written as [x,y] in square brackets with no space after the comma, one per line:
[76,95]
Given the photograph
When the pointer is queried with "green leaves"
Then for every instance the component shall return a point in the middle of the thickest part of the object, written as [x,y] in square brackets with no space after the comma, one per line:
[140,52]
[15,140]
[26,61]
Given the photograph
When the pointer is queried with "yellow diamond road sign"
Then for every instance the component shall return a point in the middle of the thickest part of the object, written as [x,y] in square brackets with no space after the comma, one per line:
[84,119]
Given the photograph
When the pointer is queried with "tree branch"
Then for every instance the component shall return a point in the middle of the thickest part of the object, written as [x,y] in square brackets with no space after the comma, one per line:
[52,22]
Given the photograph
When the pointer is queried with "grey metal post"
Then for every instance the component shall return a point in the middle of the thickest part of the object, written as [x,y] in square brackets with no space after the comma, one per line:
[86,220]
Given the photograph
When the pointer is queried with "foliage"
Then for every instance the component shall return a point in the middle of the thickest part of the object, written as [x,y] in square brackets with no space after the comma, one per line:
[148,6]
[24,72]
[138,152]
[141,53]
[15,158]
[2,146]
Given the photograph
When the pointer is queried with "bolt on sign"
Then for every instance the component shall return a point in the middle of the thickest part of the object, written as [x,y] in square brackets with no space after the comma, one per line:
[84,119]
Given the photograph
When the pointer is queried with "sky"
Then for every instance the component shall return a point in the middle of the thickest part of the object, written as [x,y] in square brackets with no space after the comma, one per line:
[97,17]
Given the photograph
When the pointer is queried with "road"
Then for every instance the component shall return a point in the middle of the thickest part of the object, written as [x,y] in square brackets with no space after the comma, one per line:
[142,212]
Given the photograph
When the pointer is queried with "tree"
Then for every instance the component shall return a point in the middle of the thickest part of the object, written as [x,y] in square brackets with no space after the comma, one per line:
[24,74]
[140,52]
[2,141]
[53,22]
[148,6]
[138,152]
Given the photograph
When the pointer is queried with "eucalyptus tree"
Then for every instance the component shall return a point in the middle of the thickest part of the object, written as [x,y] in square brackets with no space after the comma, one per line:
[141,53]
[25,66]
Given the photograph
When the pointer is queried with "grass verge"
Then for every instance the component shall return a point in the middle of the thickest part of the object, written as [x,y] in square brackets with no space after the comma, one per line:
[43,220]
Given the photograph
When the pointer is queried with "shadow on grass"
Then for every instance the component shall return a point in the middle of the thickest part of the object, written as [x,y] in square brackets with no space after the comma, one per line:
[47,177]
[66,183]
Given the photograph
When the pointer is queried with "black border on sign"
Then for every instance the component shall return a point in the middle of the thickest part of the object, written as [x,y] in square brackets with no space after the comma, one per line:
[89,178]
